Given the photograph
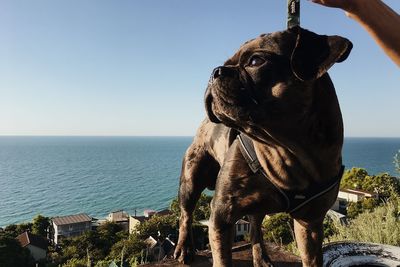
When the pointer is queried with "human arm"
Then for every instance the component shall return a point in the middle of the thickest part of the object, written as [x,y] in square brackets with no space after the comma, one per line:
[379,20]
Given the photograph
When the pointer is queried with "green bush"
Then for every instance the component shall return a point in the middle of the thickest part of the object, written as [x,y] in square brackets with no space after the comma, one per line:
[278,228]
[75,263]
[329,227]
[382,225]
[130,249]
[202,210]
[11,252]
[397,161]
[158,225]
[40,225]
[384,184]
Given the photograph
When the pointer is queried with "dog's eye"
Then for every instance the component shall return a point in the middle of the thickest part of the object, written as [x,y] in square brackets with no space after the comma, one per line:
[256,61]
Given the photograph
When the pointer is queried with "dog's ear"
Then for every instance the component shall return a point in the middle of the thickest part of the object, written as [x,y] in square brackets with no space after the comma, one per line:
[314,54]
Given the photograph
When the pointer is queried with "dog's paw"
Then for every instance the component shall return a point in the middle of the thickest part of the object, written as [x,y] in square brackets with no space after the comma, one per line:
[183,254]
[263,263]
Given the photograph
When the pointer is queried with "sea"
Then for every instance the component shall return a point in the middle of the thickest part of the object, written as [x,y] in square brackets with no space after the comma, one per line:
[57,176]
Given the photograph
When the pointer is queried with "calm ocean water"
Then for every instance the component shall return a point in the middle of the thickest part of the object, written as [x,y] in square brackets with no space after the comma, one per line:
[56,176]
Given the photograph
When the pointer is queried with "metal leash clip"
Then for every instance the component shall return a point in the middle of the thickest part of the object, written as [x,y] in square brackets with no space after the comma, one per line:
[293,13]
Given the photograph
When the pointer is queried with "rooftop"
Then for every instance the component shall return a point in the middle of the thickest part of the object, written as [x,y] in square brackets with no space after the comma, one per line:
[241,221]
[164,212]
[140,218]
[27,238]
[71,219]
[357,192]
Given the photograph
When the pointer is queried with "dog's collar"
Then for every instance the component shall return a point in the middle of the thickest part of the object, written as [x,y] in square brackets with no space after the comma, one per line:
[294,200]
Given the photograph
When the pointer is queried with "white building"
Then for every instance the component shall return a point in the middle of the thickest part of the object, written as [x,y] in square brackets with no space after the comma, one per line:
[350,195]
[241,228]
[72,225]
[120,217]
[135,221]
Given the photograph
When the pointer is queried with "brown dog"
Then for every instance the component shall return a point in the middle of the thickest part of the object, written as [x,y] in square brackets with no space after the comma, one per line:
[277,92]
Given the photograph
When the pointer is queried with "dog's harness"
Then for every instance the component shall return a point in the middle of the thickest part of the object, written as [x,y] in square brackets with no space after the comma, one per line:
[294,200]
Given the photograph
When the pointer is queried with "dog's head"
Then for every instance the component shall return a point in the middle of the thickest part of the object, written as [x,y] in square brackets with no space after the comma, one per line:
[270,81]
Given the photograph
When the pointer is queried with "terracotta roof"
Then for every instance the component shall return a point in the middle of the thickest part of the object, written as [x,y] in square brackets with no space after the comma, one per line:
[27,238]
[70,219]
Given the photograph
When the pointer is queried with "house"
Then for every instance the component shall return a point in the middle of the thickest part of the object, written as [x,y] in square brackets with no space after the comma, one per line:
[354,195]
[69,226]
[158,249]
[37,245]
[241,228]
[350,195]
[154,249]
[119,217]
[135,221]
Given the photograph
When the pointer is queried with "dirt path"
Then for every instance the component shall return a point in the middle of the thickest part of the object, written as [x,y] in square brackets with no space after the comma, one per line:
[241,258]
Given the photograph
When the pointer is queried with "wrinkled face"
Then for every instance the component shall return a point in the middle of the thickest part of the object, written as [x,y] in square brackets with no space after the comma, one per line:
[270,79]
[256,84]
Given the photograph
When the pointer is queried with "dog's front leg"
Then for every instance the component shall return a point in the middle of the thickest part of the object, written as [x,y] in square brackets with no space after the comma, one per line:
[309,237]
[199,171]
[221,233]
[260,257]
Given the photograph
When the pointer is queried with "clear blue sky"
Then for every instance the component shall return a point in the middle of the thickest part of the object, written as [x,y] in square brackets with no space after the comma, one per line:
[141,67]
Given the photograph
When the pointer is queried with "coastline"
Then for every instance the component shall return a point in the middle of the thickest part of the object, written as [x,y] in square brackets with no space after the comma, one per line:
[66,175]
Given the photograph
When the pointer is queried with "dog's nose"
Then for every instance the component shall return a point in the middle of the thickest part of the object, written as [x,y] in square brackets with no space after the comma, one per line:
[222,71]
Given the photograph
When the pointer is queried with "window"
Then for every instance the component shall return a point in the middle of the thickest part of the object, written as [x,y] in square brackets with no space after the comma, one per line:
[239,227]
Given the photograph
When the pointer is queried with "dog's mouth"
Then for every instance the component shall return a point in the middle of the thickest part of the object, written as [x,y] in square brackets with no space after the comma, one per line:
[228,101]
[209,103]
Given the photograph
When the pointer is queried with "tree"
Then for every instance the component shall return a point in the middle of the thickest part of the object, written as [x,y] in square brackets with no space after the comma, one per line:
[15,230]
[75,263]
[11,230]
[384,184]
[278,228]
[11,252]
[202,210]
[158,226]
[24,227]
[329,227]
[354,209]
[130,248]
[93,244]
[369,204]
[353,178]
[40,225]
[397,161]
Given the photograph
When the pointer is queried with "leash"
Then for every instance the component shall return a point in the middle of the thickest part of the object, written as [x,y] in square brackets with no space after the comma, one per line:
[293,13]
